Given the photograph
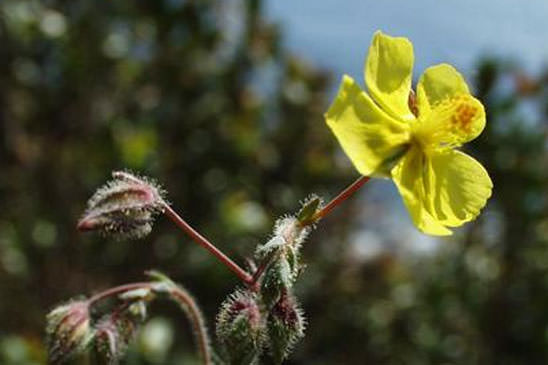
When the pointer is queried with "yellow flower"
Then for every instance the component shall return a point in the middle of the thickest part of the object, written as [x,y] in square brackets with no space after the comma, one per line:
[413,141]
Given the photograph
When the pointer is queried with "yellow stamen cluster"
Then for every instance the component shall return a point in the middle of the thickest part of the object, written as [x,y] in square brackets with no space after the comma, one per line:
[464,114]
[449,123]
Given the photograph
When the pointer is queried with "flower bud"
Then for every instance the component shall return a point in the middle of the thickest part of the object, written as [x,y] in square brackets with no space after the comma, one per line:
[113,333]
[290,229]
[286,325]
[278,278]
[124,207]
[68,331]
[282,253]
[240,328]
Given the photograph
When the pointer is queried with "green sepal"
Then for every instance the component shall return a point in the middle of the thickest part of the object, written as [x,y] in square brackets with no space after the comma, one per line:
[309,208]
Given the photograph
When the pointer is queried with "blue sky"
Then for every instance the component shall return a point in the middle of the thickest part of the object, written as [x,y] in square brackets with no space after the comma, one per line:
[335,34]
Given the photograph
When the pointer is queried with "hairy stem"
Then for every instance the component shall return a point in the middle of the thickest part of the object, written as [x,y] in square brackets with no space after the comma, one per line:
[189,306]
[185,301]
[202,241]
[118,290]
[345,194]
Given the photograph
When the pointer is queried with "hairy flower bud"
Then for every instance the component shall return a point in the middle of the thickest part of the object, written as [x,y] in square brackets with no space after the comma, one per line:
[282,253]
[113,333]
[124,207]
[286,325]
[240,328]
[291,231]
[277,279]
[68,331]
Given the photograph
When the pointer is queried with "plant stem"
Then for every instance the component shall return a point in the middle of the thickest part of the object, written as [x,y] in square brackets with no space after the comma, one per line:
[202,241]
[189,306]
[117,290]
[345,194]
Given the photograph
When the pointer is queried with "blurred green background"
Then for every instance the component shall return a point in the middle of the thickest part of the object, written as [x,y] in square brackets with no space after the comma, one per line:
[205,96]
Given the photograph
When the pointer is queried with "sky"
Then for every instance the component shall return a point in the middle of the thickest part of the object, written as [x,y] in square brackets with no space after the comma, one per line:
[335,35]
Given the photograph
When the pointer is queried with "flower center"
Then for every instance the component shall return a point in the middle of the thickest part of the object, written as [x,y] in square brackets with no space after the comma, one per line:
[450,123]
[464,114]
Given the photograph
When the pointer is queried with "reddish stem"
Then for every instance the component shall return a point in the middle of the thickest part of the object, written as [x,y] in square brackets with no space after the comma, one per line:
[202,241]
[184,299]
[345,194]
[188,304]
[118,290]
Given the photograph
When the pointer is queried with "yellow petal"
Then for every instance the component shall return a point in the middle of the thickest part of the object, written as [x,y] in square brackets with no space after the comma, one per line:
[437,84]
[451,122]
[409,176]
[388,74]
[441,190]
[458,187]
[366,133]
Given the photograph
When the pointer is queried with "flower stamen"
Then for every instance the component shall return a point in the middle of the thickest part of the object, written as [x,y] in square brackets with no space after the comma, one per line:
[450,123]
[464,114]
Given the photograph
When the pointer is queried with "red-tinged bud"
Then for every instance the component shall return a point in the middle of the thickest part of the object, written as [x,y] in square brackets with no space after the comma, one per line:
[113,333]
[240,328]
[124,207]
[286,325]
[68,331]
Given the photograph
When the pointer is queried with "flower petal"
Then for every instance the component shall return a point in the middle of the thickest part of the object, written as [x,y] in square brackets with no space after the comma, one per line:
[458,187]
[441,190]
[451,122]
[388,74]
[437,84]
[368,135]
[409,177]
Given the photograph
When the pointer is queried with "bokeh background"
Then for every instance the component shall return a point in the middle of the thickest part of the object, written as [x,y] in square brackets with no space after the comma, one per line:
[222,102]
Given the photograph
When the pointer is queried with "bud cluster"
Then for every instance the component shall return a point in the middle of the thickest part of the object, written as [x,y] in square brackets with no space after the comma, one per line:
[264,315]
[124,207]
[72,330]
[269,316]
